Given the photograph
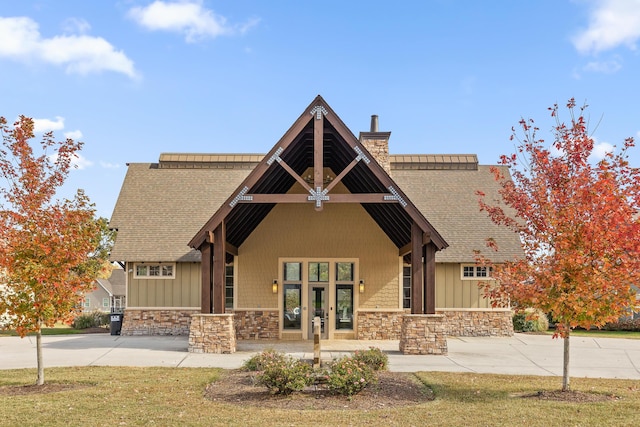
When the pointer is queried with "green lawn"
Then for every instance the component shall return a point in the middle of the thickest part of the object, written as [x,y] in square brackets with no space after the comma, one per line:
[115,396]
[59,329]
[595,333]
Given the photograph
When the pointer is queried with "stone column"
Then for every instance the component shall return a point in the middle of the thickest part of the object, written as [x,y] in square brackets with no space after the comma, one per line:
[423,334]
[212,333]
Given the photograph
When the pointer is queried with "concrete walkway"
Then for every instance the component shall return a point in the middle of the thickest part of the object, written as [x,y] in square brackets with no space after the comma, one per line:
[521,354]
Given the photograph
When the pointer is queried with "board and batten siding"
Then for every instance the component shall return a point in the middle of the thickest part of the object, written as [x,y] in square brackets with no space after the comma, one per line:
[182,291]
[453,292]
[299,231]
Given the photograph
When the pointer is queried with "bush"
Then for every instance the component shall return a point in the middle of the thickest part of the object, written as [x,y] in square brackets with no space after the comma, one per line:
[531,320]
[258,361]
[374,358]
[349,376]
[279,373]
[624,324]
[95,319]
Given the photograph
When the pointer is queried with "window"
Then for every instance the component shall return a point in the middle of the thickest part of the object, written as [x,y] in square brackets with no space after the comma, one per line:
[228,286]
[154,271]
[344,295]
[292,271]
[475,272]
[86,303]
[292,294]
[318,271]
[344,305]
[105,302]
[406,286]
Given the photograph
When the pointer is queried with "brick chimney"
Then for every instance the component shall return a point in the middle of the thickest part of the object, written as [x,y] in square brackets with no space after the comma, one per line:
[377,143]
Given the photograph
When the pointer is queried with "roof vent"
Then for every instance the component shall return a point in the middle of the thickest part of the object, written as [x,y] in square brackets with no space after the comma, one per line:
[374,123]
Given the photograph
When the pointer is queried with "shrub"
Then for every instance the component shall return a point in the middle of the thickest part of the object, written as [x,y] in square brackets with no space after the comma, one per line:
[279,373]
[531,320]
[258,361]
[624,324]
[349,376]
[91,320]
[374,358]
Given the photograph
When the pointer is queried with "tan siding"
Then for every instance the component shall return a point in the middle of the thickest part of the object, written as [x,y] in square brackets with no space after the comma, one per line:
[183,291]
[338,231]
[453,292]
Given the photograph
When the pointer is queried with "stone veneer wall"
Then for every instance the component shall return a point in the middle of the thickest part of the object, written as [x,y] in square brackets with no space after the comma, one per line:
[257,324]
[386,325]
[478,323]
[423,334]
[379,325]
[156,322]
[212,333]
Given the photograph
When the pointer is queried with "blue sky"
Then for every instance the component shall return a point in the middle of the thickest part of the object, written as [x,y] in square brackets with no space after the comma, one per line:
[134,78]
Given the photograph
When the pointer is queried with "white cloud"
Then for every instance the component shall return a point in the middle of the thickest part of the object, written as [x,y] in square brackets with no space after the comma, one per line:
[20,40]
[611,23]
[47,125]
[76,26]
[79,162]
[74,134]
[188,17]
[600,150]
[605,67]
[108,165]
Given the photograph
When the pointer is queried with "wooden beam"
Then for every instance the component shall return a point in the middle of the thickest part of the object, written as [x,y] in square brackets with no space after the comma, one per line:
[333,198]
[318,151]
[338,178]
[416,269]
[293,173]
[231,249]
[405,249]
[205,266]
[219,258]
[430,278]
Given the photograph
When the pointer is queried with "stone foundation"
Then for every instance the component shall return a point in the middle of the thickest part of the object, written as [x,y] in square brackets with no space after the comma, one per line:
[379,325]
[478,323]
[156,322]
[212,333]
[423,334]
[256,325]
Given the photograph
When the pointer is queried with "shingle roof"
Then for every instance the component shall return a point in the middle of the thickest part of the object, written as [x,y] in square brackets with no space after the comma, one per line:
[160,209]
[161,206]
[115,284]
[448,199]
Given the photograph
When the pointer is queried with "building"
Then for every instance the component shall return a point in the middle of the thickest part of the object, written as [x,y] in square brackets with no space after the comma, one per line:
[249,246]
[109,294]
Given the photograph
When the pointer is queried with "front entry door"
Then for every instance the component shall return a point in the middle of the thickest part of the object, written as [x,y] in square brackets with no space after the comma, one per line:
[318,298]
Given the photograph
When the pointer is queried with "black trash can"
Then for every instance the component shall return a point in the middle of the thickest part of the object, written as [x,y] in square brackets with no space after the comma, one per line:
[116,323]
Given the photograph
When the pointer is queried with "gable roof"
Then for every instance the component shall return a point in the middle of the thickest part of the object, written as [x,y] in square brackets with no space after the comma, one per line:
[340,151]
[115,285]
[163,205]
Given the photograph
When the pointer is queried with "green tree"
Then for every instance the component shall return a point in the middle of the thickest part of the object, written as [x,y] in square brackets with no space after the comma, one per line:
[577,221]
[50,249]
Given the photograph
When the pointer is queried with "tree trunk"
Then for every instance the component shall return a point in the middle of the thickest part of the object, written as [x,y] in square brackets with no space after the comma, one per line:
[40,380]
[565,364]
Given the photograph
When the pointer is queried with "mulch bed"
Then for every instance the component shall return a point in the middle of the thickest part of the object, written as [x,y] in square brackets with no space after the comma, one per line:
[392,390]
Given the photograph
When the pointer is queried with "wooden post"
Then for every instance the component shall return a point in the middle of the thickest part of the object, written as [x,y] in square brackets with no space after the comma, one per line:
[316,341]
[205,299]
[219,257]
[416,270]
[430,278]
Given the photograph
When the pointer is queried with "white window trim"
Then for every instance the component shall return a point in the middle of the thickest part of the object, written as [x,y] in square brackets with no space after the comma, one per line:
[475,272]
[157,264]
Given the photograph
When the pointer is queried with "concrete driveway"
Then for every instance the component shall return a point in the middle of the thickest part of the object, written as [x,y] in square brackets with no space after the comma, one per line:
[521,354]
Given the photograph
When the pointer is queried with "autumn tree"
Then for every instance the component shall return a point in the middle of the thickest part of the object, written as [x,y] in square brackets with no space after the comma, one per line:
[49,248]
[578,224]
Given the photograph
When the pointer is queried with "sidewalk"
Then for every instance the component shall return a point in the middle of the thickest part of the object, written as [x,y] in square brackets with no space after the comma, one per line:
[521,354]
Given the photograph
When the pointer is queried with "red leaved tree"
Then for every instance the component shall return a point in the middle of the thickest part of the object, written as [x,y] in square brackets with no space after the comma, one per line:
[48,247]
[578,224]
